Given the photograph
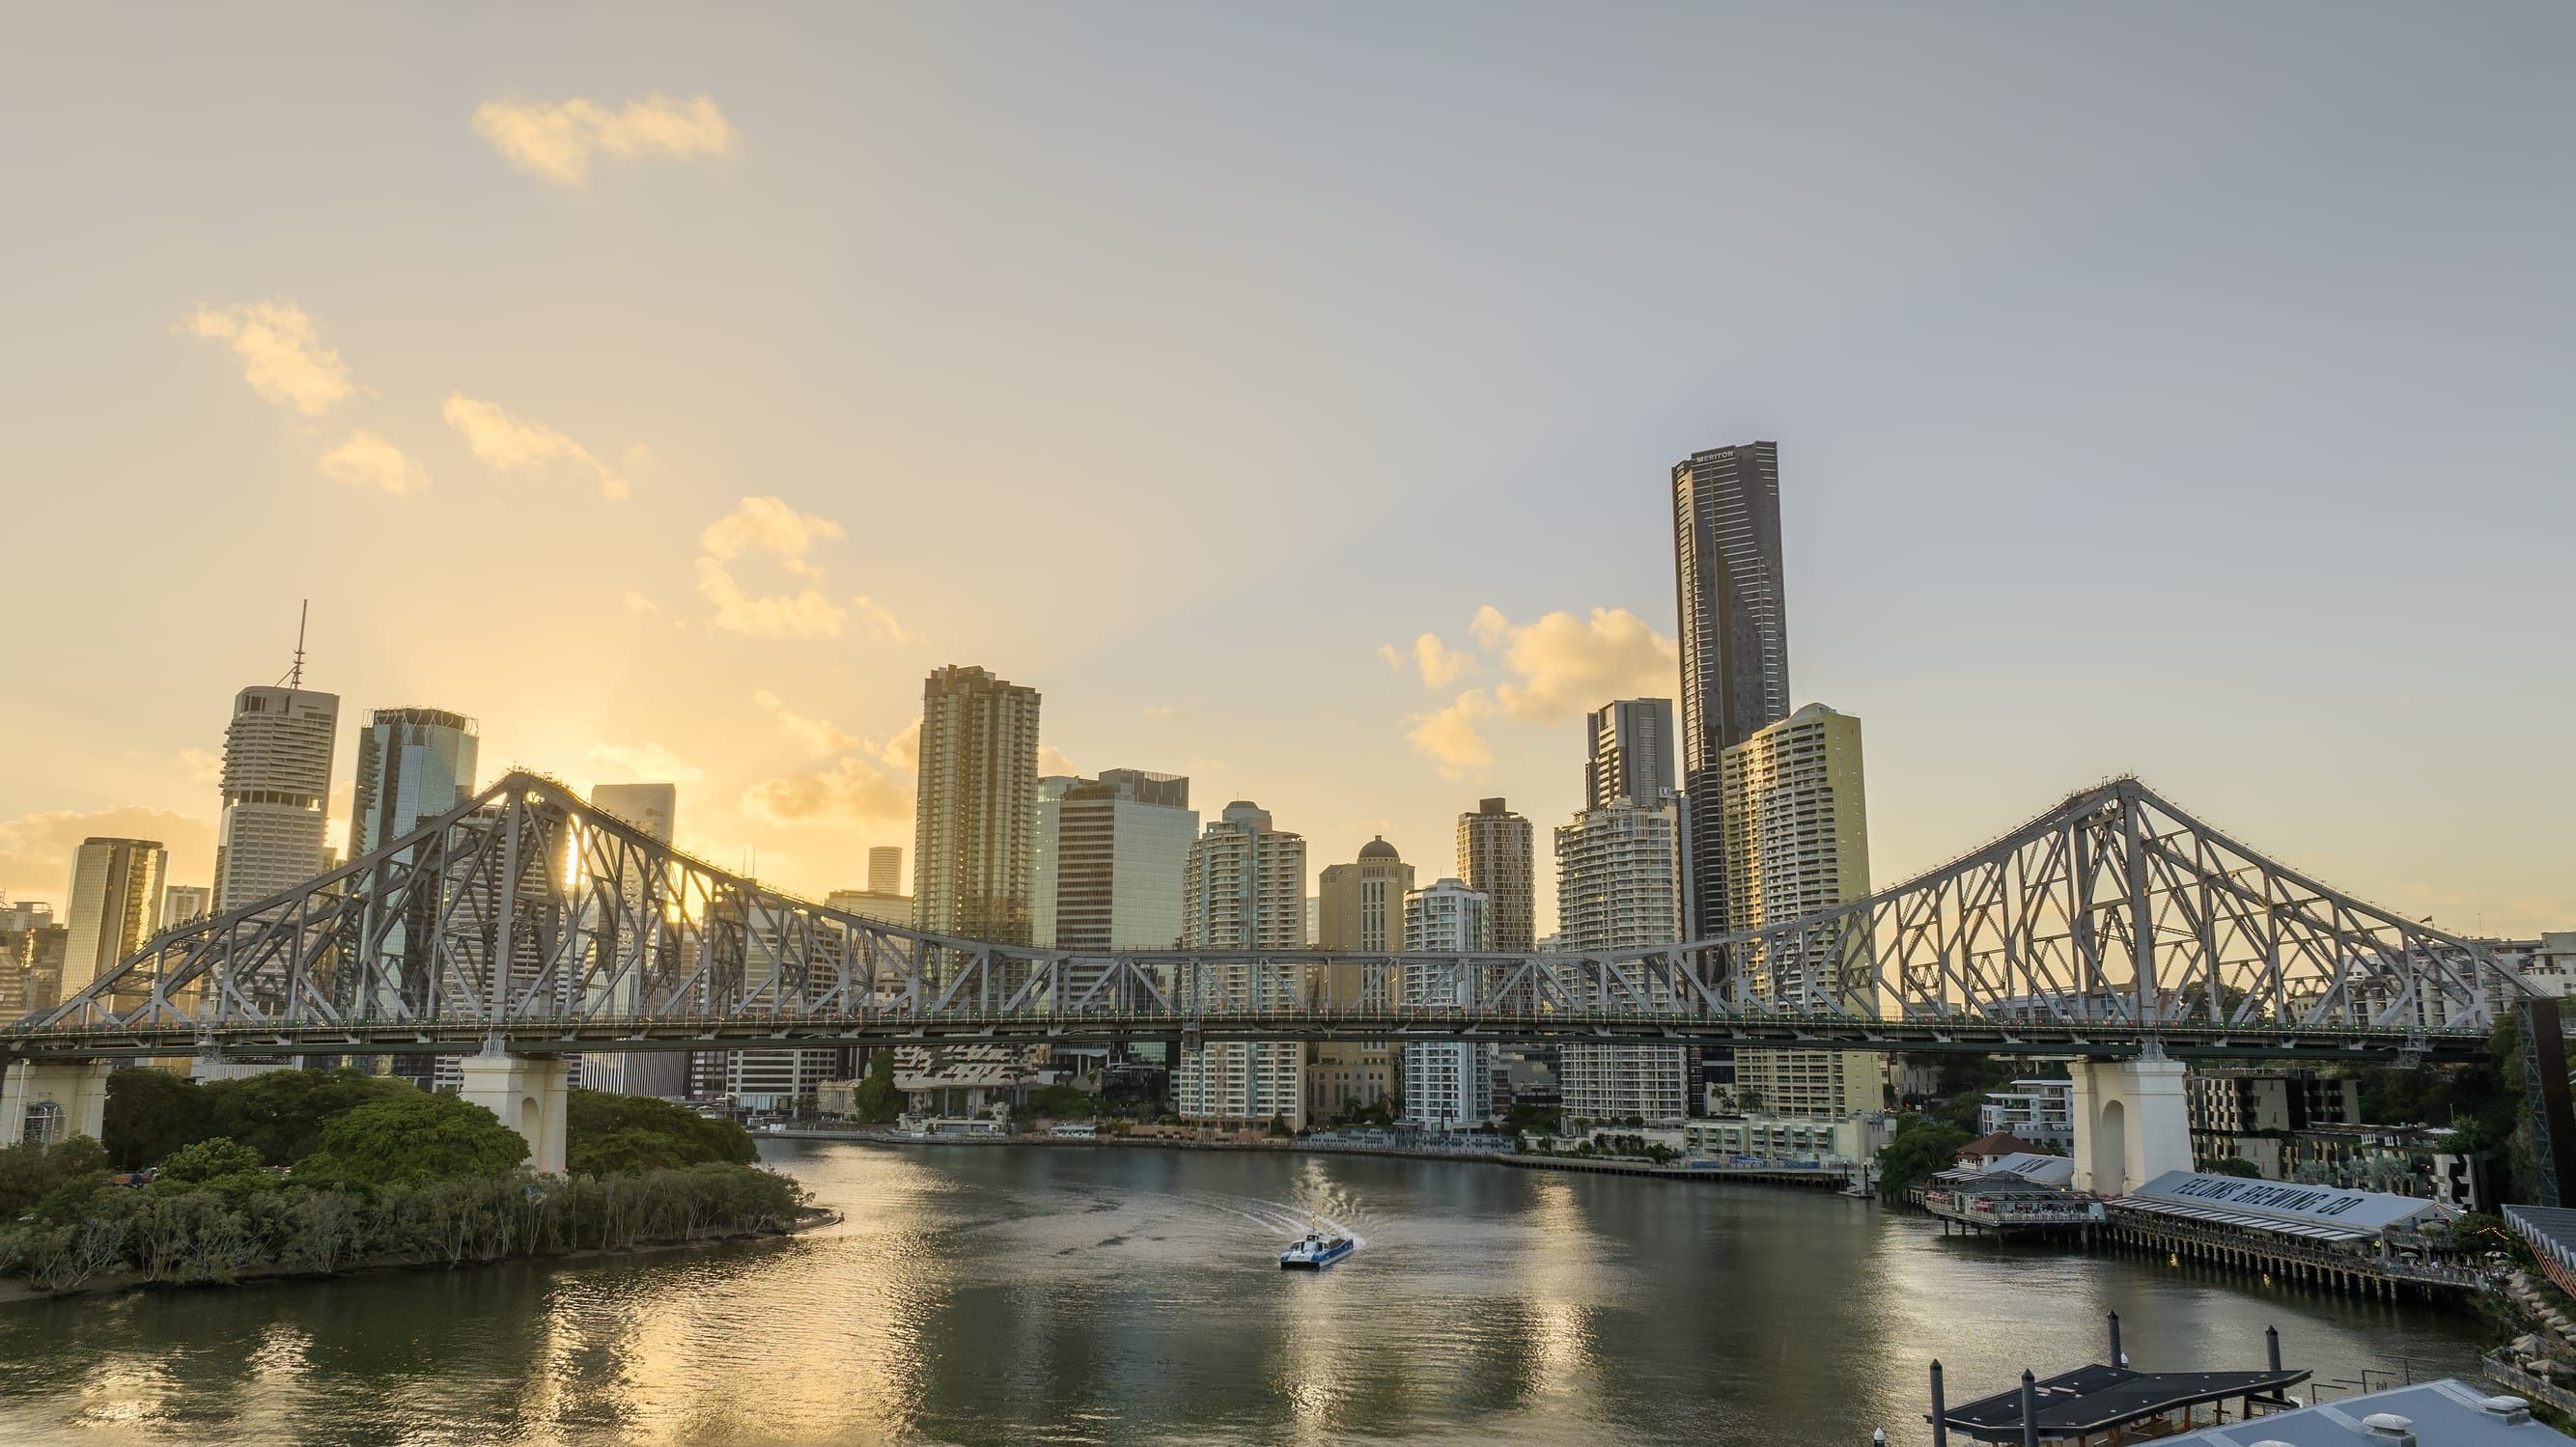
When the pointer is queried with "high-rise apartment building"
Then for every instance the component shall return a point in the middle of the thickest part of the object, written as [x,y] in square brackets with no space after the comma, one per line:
[1735,639]
[1619,886]
[184,903]
[1628,751]
[1494,858]
[653,809]
[276,778]
[885,869]
[1796,833]
[1244,888]
[974,855]
[1446,1087]
[1359,912]
[31,958]
[115,907]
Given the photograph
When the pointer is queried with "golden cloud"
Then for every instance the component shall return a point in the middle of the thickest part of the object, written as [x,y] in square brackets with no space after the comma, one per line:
[368,460]
[848,792]
[556,141]
[508,443]
[820,736]
[281,353]
[1568,665]
[647,761]
[1448,736]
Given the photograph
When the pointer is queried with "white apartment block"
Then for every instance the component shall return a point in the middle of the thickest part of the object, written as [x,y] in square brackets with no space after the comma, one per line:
[1618,873]
[2039,1111]
[1446,1087]
[1244,889]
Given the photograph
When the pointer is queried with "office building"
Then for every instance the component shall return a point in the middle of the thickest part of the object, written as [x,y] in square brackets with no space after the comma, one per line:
[2038,1110]
[1244,888]
[1359,911]
[115,907]
[1619,886]
[1113,851]
[868,904]
[1446,1087]
[1734,643]
[276,779]
[974,859]
[413,765]
[1495,847]
[185,904]
[885,869]
[653,810]
[1796,838]
[31,959]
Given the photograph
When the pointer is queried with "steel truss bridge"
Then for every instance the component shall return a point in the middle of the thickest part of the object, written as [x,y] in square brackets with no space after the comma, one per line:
[525,921]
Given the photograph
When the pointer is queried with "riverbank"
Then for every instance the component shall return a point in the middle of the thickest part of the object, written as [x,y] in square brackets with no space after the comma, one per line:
[15,1289]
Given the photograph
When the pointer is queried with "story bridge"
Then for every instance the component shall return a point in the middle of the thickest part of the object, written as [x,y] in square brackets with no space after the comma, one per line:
[526,925]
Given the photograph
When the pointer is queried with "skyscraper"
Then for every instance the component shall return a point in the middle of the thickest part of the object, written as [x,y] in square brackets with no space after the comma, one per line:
[1494,849]
[115,906]
[974,855]
[277,774]
[1359,912]
[1796,829]
[885,869]
[1244,889]
[655,810]
[181,903]
[31,958]
[414,764]
[1446,1087]
[1735,638]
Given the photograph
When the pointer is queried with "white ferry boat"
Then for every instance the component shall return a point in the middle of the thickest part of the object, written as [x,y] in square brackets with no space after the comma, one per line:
[1315,1252]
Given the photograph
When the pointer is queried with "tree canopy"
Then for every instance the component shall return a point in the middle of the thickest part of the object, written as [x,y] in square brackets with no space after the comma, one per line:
[606,1133]
[280,1114]
[409,1140]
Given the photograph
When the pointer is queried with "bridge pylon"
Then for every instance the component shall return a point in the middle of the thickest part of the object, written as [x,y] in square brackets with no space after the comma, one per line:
[2131,1123]
[532,1095]
[44,1101]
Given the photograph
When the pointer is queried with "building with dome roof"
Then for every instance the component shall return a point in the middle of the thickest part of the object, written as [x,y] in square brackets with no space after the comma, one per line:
[1359,911]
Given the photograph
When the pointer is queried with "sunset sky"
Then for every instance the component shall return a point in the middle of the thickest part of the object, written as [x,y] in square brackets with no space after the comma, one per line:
[1289,394]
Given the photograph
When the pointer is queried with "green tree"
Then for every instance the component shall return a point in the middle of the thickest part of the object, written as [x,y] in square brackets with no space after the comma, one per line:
[876,1100]
[151,1113]
[31,1173]
[1064,1102]
[2236,1166]
[1924,1146]
[606,1133]
[207,1159]
[409,1140]
[282,1113]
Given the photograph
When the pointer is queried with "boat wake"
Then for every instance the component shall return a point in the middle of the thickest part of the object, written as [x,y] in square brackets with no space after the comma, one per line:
[1283,1219]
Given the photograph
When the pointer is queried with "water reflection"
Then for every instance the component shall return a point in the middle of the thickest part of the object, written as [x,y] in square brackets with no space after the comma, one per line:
[981,1295]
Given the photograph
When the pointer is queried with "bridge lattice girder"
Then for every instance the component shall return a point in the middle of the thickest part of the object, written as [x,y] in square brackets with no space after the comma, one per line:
[527,914]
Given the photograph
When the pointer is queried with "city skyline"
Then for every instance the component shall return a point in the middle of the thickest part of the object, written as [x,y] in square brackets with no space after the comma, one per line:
[2150,498]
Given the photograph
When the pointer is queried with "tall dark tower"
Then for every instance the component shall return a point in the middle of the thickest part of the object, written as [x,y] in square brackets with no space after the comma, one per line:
[1735,638]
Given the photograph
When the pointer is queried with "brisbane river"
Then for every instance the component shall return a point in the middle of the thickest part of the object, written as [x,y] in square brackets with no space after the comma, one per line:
[1031,1294]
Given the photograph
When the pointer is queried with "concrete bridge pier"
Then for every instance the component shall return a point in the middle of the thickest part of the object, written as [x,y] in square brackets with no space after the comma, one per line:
[44,1101]
[531,1095]
[2130,1123]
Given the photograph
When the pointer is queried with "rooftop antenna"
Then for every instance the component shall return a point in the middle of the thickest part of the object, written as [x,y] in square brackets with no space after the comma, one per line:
[295,675]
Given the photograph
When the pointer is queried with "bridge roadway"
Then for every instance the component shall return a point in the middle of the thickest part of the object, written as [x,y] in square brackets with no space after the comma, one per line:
[540,1036]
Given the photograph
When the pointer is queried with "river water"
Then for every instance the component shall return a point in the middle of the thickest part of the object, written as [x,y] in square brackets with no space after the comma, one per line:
[990,1295]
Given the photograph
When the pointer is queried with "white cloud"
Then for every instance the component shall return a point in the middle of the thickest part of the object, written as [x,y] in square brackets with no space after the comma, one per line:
[1489,625]
[768,527]
[1393,659]
[1448,736]
[848,792]
[1567,665]
[903,751]
[508,443]
[1161,712]
[1440,665]
[368,460]
[204,766]
[637,603]
[648,761]
[556,141]
[1051,760]
[281,353]
[820,736]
